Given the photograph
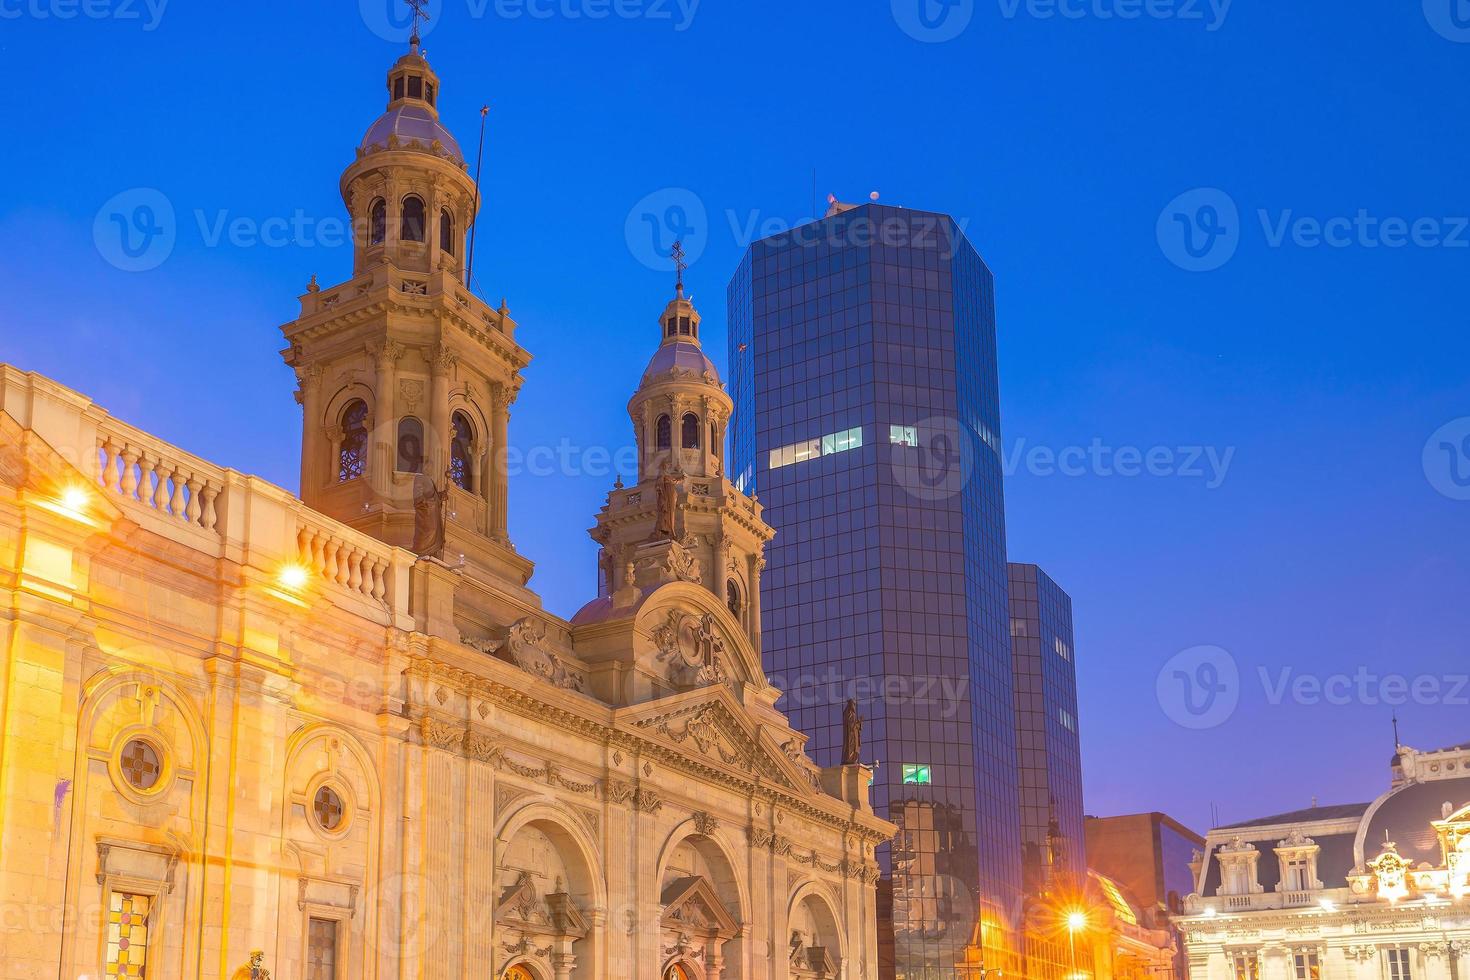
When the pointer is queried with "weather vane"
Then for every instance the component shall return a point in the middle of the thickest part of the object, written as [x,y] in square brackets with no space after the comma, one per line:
[419,13]
[677,254]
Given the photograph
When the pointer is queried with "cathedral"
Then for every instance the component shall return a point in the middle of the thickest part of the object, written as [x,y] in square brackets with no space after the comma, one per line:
[245,734]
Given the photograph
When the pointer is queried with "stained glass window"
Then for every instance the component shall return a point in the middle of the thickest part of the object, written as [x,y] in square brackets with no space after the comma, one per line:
[352,452]
[127,935]
[461,455]
[139,764]
[321,950]
[328,808]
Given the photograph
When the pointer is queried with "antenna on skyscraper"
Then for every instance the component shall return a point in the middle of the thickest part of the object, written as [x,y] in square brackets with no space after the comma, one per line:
[469,266]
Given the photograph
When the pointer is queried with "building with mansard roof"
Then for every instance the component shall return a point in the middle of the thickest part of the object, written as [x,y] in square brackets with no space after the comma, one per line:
[1364,891]
[336,736]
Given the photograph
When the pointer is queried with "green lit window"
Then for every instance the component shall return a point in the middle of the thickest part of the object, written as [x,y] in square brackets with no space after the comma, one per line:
[917,774]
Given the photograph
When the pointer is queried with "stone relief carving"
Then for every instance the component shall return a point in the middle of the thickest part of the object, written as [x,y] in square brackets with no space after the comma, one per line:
[692,650]
[525,646]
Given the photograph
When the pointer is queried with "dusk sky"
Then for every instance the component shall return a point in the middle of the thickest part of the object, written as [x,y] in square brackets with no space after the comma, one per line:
[1293,497]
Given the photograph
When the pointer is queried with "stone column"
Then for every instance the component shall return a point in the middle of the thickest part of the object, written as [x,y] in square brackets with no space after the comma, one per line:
[440,431]
[706,439]
[722,558]
[383,448]
[315,463]
[500,401]
[753,601]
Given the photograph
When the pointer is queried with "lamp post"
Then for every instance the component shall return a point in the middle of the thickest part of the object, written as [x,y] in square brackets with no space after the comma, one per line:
[1075,920]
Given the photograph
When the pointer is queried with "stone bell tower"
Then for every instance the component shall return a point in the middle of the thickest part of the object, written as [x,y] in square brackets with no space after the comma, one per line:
[406,377]
[682,520]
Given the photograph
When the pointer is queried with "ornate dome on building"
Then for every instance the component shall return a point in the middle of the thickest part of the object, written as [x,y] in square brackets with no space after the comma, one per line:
[1359,889]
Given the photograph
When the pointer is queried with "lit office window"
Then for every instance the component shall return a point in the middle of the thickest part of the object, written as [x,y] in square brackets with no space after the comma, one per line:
[1063,650]
[916,774]
[1068,722]
[903,435]
[800,452]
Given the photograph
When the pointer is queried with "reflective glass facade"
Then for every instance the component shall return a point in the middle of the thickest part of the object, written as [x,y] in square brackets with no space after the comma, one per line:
[1044,665]
[887,578]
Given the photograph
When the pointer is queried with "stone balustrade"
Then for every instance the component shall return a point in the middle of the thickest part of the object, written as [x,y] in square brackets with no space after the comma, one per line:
[143,470]
[340,556]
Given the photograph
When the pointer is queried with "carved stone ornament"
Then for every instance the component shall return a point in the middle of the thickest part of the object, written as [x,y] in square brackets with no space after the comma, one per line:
[692,650]
[525,646]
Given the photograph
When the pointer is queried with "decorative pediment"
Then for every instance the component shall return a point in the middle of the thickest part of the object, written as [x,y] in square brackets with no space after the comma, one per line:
[697,642]
[711,729]
[691,906]
[523,910]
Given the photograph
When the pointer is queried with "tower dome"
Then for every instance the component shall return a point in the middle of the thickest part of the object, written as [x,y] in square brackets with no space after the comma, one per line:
[411,121]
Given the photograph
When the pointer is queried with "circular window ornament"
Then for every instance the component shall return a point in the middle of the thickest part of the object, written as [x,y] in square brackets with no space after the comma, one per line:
[140,765]
[328,809]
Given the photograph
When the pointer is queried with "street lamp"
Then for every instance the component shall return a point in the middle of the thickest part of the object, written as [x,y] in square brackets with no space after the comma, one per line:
[1076,921]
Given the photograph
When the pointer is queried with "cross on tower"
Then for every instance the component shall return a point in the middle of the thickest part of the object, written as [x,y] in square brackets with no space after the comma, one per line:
[419,13]
[677,254]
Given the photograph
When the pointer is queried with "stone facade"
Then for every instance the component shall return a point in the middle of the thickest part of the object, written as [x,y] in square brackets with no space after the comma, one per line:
[242,731]
[1366,891]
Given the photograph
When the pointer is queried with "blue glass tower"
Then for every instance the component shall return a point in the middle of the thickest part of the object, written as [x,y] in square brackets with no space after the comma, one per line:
[863,358]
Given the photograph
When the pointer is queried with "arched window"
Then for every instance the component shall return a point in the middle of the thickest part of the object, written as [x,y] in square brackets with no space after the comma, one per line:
[410,445]
[462,453]
[352,450]
[732,598]
[446,232]
[664,438]
[378,222]
[413,219]
[689,434]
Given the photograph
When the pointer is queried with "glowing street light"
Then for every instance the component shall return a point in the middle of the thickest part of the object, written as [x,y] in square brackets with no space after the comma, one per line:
[293,577]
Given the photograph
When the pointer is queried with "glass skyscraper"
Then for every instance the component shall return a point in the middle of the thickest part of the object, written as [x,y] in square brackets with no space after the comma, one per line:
[1052,835]
[863,365]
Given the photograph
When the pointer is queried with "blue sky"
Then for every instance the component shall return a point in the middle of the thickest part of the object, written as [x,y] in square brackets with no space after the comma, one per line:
[1062,134]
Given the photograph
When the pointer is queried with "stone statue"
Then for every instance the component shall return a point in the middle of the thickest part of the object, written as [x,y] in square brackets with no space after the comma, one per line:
[667,487]
[428,515]
[852,734]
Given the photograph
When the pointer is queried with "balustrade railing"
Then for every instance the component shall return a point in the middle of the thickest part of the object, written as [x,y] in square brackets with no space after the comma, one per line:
[151,473]
[356,565]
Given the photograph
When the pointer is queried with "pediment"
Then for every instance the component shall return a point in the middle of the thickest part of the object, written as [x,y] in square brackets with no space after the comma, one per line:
[521,908]
[707,725]
[698,643]
[691,905]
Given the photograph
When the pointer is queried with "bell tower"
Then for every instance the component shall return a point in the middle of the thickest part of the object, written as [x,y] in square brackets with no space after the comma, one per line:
[406,377]
[682,520]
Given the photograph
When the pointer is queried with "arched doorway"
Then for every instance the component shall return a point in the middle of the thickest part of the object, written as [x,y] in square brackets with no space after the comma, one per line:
[517,972]
[678,971]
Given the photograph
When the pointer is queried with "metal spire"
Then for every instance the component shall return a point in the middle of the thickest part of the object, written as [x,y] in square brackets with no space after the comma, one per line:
[419,13]
[677,254]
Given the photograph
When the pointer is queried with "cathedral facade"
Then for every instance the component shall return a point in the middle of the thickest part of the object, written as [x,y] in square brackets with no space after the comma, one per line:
[247,734]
